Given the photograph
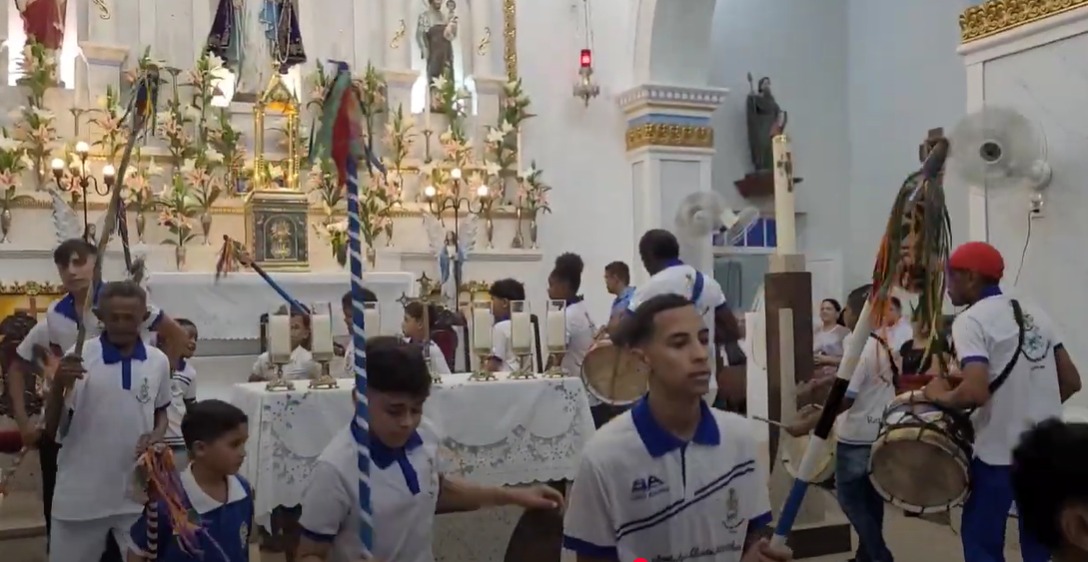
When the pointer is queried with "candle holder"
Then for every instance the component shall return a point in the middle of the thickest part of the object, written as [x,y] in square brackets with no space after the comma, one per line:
[321,344]
[556,318]
[482,323]
[521,338]
[279,349]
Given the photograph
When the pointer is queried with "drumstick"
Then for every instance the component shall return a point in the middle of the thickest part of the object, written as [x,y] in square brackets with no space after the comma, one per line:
[775,423]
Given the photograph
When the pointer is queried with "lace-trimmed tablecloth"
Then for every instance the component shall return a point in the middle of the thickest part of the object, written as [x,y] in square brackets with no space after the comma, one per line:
[231,308]
[501,432]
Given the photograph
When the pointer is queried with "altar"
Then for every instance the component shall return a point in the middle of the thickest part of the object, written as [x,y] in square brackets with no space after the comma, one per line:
[500,433]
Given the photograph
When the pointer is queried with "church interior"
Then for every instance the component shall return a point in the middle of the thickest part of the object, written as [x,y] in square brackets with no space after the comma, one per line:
[489,127]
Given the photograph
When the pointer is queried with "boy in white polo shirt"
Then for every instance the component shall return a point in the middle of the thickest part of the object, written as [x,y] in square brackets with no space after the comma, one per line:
[502,292]
[183,395]
[1017,373]
[407,483]
[672,478]
[113,402]
[871,390]
[563,284]
[660,253]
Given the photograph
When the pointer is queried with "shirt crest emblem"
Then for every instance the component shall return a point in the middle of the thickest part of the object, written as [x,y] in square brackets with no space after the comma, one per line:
[144,395]
[1036,347]
[732,511]
[243,533]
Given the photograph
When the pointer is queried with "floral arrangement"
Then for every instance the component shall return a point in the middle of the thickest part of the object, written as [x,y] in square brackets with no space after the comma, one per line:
[204,79]
[205,188]
[375,209]
[137,187]
[451,100]
[500,148]
[324,186]
[39,70]
[515,106]
[372,92]
[172,124]
[35,129]
[107,117]
[336,232]
[533,192]
[177,207]
[399,139]
[226,141]
[319,81]
[11,165]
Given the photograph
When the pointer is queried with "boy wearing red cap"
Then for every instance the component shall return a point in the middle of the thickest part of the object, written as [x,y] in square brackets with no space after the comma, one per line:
[1016,373]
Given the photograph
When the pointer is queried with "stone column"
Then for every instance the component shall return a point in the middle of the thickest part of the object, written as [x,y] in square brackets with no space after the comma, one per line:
[103,69]
[670,145]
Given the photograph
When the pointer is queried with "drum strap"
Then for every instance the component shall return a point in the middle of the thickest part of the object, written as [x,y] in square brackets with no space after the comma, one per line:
[1018,314]
[891,358]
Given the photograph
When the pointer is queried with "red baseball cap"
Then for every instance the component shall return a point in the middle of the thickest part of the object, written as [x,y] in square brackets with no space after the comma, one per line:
[980,258]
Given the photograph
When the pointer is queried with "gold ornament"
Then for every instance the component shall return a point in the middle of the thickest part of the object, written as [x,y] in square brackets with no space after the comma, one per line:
[996,16]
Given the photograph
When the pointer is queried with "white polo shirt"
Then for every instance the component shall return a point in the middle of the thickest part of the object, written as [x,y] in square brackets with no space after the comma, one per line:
[182,388]
[642,493]
[580,332]
[872,389]
[501,346]
[682,279]
[987,332]
[109,409]
[404,486]
[301,367]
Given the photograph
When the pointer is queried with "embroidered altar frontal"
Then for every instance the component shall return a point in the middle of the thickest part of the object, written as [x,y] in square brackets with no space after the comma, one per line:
[276,230]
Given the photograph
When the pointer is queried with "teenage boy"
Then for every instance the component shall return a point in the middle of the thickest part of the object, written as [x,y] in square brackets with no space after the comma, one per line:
[113,402]
[407,483]
[215,433]
[564,282]
[183,395]
[672,478]
[347,309]
[503,292]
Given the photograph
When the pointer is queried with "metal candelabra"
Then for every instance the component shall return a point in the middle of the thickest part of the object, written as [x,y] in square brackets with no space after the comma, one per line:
[439,202]
[84,180]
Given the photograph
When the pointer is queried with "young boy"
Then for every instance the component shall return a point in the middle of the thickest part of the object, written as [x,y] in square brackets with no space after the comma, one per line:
[1051,491]
[671,478]
[183,395]
[346,307]
[113,400]
[215,433]
[871,389]
[407,483]
[564,283]
[502,352]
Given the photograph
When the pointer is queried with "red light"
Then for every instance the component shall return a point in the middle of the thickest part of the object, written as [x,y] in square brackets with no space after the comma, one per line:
[586,59]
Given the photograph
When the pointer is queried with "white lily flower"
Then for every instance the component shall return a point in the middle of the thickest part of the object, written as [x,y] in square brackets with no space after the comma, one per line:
[189,166]
[153,169]
[213,156]
[8,144]
[192,113]
[492,168]
[44,115]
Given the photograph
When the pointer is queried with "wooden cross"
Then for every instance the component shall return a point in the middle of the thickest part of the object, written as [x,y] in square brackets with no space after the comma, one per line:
[927,145]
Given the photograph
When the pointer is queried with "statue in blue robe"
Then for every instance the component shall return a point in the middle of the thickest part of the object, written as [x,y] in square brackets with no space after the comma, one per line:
[256,38]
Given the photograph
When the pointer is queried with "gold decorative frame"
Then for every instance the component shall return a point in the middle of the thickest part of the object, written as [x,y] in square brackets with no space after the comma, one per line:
[510,38]
[996,16]
[27,297]
[663,134]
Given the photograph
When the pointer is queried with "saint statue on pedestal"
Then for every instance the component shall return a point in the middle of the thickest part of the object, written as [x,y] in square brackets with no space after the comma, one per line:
[435,32]
[43,21]
[765,120]
[256,38]
[452,250]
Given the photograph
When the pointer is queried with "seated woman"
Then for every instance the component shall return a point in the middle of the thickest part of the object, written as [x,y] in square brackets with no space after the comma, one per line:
[827,340]
[418,330]
[302,364]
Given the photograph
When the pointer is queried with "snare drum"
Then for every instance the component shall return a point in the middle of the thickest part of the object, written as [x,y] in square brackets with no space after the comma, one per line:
[793,450]
[613,374]
[920,459]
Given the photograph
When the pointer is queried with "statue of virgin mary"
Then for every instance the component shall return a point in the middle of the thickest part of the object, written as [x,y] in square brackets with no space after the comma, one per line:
[256,38]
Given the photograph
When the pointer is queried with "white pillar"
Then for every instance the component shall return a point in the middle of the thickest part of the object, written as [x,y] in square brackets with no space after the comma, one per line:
[670,146]
[399,34]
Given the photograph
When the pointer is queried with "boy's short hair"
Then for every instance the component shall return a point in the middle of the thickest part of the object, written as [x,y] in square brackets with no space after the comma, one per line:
[855,301]
[71,248]
[509,289]
[127,289]
[619,270]
[368,296]
[208,420]
[397,367]
[185,323]
[637,328]
[1048,475]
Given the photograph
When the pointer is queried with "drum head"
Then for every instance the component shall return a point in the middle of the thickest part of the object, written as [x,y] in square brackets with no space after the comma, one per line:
[793,450]
[614,375]
[921,473]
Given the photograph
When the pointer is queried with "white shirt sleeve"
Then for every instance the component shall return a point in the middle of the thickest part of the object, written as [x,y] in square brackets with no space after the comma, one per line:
[713,295]
[38,336]
[969,337]
[154,316]
[190,387]
[589,525]
[500,343]
[438,360]
[261,365]
[326,504]
[865,366]
[640,295]
[164,396]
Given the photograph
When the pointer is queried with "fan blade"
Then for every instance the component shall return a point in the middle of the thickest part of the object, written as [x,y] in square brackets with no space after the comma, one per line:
[744,221]
[698,214]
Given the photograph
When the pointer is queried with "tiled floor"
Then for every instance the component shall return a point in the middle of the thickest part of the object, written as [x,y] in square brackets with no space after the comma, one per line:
[911,540]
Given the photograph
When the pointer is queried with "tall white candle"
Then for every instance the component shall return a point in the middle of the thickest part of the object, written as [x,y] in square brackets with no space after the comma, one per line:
[557,329]
[321,338]
[427,108]
[521,163]
[372,323]
[520,331]
[784,208]
[279,338]
[481,329]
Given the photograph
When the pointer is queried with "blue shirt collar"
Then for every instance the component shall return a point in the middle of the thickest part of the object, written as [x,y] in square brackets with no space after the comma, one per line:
[990,291]
[625,295]
[501,318]
[384,455]
[659,441]
[111,355]
[671,263]
[66,306]
[182,364]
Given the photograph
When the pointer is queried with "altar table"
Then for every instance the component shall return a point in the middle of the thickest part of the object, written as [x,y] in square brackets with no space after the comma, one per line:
[503,432]
[230,308]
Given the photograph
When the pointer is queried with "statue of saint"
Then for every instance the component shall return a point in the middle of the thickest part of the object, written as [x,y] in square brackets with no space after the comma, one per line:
[43,21]
[256,38]
[765,120]
[435,33]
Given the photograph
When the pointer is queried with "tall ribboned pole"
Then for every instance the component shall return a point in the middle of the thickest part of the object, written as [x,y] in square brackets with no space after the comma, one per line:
[921,185]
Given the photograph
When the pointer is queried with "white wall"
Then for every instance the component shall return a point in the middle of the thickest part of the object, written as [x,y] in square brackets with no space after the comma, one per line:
[863,80]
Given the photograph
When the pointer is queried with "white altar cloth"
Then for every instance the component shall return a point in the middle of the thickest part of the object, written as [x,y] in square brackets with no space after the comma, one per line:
[503,432]
[230,308]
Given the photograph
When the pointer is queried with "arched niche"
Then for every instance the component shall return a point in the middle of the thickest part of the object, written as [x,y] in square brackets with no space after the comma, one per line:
[463,46]
[672,42]
[69,50]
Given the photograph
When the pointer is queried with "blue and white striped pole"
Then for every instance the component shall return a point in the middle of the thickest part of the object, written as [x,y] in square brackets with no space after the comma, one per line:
[360,425]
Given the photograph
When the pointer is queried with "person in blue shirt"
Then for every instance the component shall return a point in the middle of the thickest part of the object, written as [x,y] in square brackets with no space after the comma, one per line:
[617,279]
[215,433]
